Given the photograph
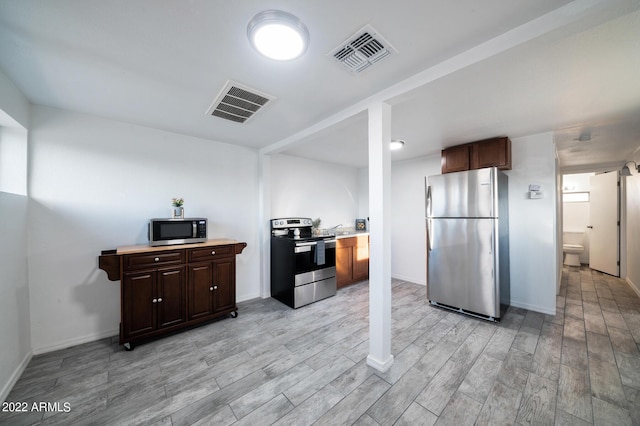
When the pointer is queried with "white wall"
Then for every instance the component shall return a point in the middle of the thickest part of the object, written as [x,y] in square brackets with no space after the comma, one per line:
[408,226]
[13,160]
[315,189]
[14,107]
[15,326]
[532,224]
[94,183]
[633,228]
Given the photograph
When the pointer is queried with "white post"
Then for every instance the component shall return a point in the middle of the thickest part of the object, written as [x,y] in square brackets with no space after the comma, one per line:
[380,356]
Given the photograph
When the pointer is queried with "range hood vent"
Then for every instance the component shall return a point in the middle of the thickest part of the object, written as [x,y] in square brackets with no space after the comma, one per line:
[238,103]
[363,49]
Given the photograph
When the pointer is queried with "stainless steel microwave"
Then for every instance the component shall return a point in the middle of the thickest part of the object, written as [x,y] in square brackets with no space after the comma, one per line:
[166,232]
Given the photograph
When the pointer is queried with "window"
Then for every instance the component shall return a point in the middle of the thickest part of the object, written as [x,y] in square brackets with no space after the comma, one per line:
[575,197]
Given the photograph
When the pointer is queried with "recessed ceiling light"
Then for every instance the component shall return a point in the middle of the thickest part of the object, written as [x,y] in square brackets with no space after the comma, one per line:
[278,35]
[396,144]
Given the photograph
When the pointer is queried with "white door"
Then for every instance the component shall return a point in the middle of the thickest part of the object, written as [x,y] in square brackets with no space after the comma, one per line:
[603,231]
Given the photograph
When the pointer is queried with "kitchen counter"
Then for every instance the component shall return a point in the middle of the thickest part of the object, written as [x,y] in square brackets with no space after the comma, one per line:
[146,248]
[351,234]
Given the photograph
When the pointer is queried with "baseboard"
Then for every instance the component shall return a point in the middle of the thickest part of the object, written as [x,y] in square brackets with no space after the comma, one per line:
[4,393]
[633,286]
[245,297]
[75,341]
[409,279]
[381,366]
[530,307]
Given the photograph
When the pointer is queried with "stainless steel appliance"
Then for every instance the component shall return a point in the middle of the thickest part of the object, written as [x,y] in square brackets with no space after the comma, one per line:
[468,242]
[165,232]
[303,267]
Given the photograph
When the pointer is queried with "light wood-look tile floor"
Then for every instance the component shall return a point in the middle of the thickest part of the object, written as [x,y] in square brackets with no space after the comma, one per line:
[276,365]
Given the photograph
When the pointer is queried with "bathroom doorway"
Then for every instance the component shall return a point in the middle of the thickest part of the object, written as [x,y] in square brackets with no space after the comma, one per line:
[591,218]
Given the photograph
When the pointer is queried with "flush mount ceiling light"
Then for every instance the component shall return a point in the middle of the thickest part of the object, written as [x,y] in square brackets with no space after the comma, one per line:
[396,144]
[278,35]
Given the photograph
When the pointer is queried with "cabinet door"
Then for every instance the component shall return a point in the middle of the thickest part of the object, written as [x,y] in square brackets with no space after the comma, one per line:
[361,259]
[494,152]
[224,289]
[455,159]
[200,290]
[170,297]
[344,261]
[138,309]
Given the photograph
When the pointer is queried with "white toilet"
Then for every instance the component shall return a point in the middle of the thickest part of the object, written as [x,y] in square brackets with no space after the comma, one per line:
[572,247]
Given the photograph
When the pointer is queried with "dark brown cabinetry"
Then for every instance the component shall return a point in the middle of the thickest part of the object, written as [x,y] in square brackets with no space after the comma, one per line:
[494,152]
[352,260]
[212,285]
[455,159]
[166,289]
[152,300]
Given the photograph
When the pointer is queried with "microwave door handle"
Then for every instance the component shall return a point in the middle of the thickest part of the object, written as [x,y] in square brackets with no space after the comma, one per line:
[195,228]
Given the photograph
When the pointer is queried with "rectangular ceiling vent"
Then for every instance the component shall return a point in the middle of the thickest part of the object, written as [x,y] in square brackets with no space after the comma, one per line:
[363,49]
[238,103]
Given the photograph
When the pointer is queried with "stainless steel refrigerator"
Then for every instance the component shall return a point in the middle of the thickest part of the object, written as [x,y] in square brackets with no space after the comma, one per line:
[467,216]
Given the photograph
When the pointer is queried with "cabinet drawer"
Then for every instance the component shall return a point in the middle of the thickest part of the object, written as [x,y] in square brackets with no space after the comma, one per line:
[209,253]
[152,260]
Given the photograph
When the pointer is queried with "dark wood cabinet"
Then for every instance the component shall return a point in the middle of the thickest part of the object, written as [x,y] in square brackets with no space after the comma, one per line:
[212,287]
[494,152]
[152,300]
[164,289]
[455,159]
[352,260]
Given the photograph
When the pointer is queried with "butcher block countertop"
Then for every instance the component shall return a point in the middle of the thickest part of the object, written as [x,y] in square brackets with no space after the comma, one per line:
[146,248]
[110,261]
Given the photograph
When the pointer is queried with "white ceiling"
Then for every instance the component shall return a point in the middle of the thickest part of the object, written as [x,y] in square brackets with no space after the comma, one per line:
[565,67]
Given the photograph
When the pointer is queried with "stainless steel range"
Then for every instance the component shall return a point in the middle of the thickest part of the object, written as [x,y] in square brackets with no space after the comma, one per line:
[303,267]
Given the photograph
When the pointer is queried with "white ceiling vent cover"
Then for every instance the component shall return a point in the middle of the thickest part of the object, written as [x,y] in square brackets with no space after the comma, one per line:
[238,103]
[363,49]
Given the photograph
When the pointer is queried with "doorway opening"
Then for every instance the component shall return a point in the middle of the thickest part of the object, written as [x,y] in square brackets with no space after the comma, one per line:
[591,220]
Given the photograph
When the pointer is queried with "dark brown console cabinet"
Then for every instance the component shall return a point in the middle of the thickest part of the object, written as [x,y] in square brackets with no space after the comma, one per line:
[164,289]
[494,152]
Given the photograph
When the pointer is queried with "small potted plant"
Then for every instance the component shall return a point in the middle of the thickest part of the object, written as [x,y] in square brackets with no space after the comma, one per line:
[178,210]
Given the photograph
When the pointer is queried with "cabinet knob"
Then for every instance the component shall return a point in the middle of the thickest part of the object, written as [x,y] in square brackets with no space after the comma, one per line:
[213,252]
[210,288]
[159,299]
[215,287]
[154,301]
[157,259]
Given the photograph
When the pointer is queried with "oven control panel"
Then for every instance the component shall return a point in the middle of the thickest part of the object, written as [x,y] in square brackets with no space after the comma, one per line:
[290,222]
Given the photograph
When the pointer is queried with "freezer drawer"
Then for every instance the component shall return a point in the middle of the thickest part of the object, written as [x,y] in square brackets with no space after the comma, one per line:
[461,264]
[312,292]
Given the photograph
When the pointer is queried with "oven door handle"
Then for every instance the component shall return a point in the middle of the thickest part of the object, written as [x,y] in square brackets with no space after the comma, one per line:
[305,247]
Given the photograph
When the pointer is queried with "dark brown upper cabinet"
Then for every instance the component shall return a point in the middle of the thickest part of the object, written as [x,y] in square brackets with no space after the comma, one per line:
[494,152]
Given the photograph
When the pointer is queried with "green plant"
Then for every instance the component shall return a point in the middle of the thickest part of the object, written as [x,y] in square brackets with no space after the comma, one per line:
[177,202]
[316,223]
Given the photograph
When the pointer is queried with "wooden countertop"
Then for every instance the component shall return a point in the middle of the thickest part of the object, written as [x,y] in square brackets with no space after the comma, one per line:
[354,234]
[146,248]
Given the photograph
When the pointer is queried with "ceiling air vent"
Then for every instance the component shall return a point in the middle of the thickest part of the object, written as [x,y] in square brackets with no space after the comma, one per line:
[238,103]
[363,49]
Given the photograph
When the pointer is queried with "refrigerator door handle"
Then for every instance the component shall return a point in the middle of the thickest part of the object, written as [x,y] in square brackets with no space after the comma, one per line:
[428,201]
[429,235]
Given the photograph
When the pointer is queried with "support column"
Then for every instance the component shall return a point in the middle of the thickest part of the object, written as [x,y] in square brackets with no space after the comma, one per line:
[379,356]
